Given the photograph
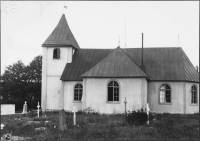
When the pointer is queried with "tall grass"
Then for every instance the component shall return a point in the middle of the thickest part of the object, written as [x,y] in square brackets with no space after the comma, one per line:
[103,127]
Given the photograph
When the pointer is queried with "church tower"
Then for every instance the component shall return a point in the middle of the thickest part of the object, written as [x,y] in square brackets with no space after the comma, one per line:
[58,50]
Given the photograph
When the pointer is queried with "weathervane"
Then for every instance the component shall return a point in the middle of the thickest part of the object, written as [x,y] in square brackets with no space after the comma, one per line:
[64,7]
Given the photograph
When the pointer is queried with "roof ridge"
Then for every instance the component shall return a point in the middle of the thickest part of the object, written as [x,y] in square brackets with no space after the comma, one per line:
[97,48]
[152,47]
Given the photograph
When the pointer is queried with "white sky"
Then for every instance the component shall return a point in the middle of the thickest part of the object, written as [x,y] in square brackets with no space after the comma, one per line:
[25,25]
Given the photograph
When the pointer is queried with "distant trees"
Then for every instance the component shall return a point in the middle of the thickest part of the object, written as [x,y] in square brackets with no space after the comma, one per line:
[21,83]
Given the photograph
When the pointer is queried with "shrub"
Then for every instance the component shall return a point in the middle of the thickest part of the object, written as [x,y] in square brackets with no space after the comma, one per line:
[80,112]
[32,113]
[138,117]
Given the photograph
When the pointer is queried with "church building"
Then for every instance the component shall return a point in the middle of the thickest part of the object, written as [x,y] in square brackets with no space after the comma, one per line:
[102,79]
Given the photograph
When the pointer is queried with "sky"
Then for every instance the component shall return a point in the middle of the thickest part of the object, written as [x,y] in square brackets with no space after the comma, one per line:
[25,25]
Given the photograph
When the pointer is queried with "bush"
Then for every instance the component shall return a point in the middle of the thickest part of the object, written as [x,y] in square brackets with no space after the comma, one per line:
[32,113]
[138,117]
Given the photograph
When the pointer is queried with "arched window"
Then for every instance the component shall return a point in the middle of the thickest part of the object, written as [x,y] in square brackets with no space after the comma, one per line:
[56,53]
[165,94]
[113,91]
[194,94]
[78,91]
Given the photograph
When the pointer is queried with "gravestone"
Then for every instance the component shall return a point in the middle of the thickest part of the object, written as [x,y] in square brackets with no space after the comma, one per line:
[148,109]
[40,128]
[38,109]
[24,108]
[2,126]
[62,121]
[31,122]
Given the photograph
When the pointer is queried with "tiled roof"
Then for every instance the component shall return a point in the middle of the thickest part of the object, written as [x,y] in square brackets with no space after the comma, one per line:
[162,64]
[166,64]
[190,71]
[61,36]
[116,64]
[83,60]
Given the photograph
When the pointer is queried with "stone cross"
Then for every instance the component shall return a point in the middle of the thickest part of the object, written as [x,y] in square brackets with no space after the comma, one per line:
[148,109]
[38,108]
[24,108]
[74,114]
[125,104]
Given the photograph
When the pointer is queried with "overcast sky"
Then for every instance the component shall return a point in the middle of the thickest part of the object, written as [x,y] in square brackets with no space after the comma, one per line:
[25,25]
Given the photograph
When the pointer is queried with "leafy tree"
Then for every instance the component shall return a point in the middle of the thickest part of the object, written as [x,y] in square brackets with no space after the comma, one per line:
[33,89]
[21,83]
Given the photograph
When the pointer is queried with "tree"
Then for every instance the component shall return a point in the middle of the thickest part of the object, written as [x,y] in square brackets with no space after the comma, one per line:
[21,83]
[33,89]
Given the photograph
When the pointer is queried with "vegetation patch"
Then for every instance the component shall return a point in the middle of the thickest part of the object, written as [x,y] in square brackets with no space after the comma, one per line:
[104,127]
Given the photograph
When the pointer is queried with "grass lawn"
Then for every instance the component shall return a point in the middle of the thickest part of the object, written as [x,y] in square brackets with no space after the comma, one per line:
[101,127]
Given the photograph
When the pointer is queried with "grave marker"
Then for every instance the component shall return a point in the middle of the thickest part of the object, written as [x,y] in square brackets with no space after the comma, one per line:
[24,108]
[62,120]
[148,109]
[74,114]
[125,104]
[38,108]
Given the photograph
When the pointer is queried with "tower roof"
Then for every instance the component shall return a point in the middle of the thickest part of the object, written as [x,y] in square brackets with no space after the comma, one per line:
[61,36]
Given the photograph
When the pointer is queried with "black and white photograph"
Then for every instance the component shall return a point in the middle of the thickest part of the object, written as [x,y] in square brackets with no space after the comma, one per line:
[99,70]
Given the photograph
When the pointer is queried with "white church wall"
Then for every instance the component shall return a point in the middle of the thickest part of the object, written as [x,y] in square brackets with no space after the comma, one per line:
[177,97]
[69,96]
[55,67]
[54,87]
[51,72]
[95,94]
[44,77]
[191,108]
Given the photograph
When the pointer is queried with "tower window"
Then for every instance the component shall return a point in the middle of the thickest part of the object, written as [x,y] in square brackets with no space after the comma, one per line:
[56,53]
[113,91]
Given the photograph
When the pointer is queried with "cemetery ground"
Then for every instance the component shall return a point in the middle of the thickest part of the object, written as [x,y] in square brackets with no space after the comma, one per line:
[94,126]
